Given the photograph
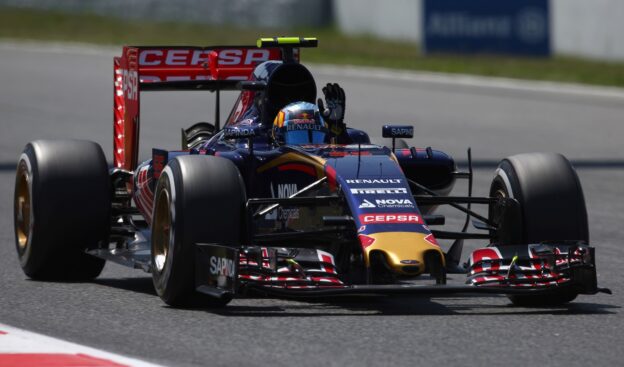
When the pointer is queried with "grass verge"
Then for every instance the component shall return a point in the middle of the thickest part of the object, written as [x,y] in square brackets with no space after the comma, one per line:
[335,47]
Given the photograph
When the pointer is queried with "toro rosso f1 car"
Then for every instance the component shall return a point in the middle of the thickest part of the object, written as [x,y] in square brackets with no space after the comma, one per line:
[277,201]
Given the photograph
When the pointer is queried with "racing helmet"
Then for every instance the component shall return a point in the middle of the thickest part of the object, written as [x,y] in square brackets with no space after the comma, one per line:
[299,123]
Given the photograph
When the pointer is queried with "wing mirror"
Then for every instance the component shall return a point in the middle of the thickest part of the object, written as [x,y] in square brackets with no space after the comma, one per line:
[397,131]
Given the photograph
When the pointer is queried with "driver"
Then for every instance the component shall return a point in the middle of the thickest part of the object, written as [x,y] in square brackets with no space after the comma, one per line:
[299,123]
[302,122]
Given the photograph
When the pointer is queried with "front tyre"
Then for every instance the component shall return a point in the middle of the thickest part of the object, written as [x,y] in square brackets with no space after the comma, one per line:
[552,208]
[62,205]
[198,199]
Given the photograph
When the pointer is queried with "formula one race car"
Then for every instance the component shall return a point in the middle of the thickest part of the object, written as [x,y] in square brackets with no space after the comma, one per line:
[277,201]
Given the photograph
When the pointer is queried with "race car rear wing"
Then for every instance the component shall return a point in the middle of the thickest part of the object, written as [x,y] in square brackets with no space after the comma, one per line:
[151,68]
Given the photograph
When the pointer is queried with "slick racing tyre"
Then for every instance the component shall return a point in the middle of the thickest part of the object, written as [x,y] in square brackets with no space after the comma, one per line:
[551,208]
[198,199]
[62,206]
[196,134]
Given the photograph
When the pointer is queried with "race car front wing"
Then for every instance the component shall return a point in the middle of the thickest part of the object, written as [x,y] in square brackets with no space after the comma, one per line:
[541,269]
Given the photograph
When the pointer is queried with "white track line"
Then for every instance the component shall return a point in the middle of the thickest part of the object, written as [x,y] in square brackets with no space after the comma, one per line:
[36,349]
[335,71]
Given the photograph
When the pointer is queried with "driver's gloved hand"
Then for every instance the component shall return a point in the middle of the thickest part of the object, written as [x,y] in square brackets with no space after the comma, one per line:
[335,111]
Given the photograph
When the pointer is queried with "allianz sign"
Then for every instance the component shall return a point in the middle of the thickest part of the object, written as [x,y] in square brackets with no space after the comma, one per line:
[486,26]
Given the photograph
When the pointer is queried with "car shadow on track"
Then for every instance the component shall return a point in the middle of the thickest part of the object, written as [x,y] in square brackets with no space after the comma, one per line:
[261,306]
[139,285]
[406,306]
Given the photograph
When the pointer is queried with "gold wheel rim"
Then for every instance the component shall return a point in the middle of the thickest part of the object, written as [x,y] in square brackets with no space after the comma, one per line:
[23,208]
[162,230]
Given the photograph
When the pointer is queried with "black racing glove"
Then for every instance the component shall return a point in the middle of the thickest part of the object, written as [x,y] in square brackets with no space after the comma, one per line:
[334,114]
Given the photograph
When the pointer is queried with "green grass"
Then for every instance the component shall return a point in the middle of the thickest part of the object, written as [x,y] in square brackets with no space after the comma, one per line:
[334,47]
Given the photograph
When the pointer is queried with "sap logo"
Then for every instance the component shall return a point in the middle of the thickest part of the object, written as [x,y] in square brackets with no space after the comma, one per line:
[222,266]
[391,218]
[402,131]
[394,203]
[381,191]
[374,181]
[366,204]
[130,80]
[394,131]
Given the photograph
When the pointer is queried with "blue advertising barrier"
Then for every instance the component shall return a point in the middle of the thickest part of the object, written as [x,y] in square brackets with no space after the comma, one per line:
[520,27]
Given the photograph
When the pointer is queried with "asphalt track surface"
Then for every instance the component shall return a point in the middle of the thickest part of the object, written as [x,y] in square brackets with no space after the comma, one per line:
[51,92]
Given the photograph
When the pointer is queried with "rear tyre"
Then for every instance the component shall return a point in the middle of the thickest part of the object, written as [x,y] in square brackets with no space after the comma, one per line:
[552,208]
[196,134]
[62,207]
[198,199]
